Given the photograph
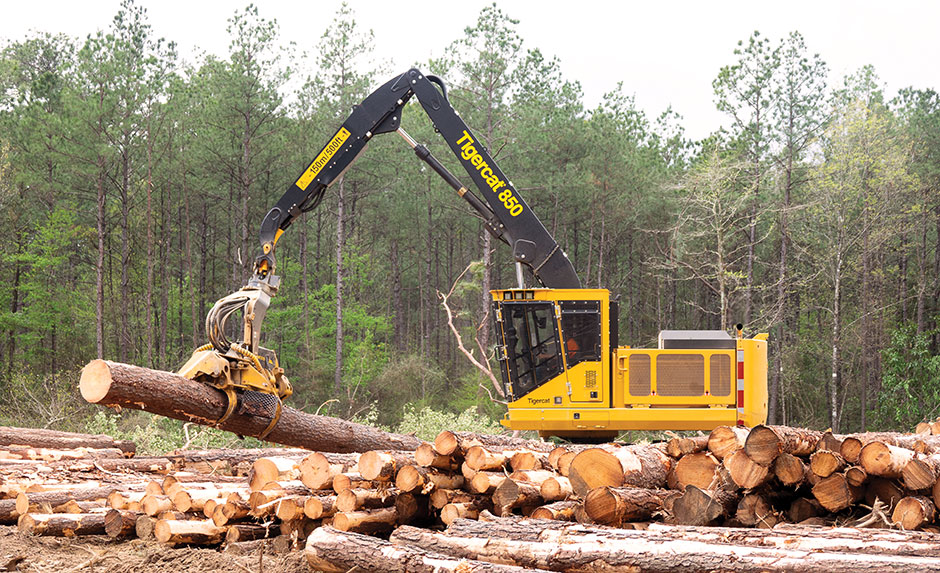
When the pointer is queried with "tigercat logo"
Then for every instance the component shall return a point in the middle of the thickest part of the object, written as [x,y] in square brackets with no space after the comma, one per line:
[323,158]
[537,401]
[470,154]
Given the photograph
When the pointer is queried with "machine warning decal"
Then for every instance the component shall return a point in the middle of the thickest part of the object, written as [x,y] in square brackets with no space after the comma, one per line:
[323,158]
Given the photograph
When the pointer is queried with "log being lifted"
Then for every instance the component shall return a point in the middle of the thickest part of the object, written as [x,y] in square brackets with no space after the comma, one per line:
[115,384]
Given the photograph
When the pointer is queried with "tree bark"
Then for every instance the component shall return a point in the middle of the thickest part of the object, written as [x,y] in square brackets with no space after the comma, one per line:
[40,438]
[561,546]
[335,551]
[114,384]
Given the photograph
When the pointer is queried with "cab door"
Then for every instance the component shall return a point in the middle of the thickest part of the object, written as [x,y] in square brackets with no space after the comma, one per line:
[529,349]
[582,336]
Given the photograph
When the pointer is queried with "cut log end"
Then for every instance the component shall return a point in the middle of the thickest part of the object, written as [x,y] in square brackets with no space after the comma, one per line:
[95,381]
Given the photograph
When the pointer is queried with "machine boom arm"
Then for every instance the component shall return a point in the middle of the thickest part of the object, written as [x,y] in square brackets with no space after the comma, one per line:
[505,213]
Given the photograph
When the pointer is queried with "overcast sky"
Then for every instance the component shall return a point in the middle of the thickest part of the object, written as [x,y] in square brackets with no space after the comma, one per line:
[666,53]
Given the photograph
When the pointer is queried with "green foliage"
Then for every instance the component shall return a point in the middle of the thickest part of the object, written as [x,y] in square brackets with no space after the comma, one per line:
[910,384]
[426,423]
[156,435]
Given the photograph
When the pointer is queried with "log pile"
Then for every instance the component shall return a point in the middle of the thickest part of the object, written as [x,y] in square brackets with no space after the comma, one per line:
[615,506]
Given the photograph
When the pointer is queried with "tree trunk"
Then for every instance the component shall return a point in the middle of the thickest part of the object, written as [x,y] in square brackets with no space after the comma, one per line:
[340,242]
[113,384]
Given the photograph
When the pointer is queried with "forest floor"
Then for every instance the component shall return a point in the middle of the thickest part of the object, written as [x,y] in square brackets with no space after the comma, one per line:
[101,554]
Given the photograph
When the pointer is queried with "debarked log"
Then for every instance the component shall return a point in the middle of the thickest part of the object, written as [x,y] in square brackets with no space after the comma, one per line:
[115,384]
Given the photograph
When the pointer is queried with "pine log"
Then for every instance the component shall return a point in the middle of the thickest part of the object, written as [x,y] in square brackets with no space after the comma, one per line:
[803,508]
[154,504]
[72,506]
[914,512]
[527,460]
[614,466]
[230,511]
[335,551]
[290,508]
[42,438]
[824,463]
[790,470]
[516,493]
[699,469]
[426,456]
[372,521]
[413,508]
[881,459]
[663,549]
[556,488]
[26,502]
[678,447]
[467,472]
[921,473]
[144,526]
[441,497]
[466,509]
[349,480]
[414,478]
[835,493]
[319,507]
[353,499]
[755,509]
[114,384]
[745,472]
[614,506]
[852,445]
[318,468]
[382,466]
[481,459]
[765,443]
[558,511]
[448,443]
[188,532]
[724,440]
[120,523]
[485,482]
[830,441]
[884,490]
[700,507]
[54,455]
[62,524]
[187,500]
[269,469]
[242,532]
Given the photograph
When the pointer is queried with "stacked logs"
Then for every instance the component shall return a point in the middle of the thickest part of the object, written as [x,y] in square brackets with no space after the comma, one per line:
[767,477]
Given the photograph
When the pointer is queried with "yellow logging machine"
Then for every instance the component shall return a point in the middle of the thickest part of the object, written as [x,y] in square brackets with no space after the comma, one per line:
[557,345]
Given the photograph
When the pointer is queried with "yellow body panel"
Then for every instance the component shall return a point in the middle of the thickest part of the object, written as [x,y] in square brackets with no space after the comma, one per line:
[694,389]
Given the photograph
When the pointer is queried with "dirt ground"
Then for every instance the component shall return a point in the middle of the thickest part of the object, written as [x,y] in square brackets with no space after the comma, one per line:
[101,554]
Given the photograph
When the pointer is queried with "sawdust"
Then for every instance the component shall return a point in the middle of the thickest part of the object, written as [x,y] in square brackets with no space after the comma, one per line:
[101,554]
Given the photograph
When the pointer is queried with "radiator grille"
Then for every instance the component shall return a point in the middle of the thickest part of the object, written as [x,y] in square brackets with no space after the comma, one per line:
[639,374]
[680,375]
[720,366]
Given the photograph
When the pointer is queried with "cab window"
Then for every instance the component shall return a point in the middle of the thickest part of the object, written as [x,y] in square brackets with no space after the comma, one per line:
[581,331]
[533,352]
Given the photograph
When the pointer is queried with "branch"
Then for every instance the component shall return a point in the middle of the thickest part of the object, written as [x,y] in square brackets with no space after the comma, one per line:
[450,323]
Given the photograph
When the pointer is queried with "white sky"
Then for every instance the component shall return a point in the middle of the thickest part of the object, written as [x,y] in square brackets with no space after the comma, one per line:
[665,52]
